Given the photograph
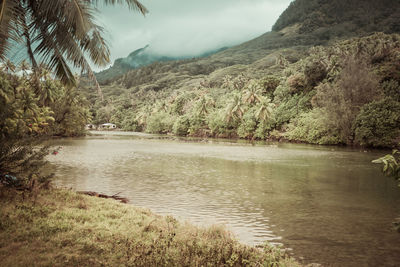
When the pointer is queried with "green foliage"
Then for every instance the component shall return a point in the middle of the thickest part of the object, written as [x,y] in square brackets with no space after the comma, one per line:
[269,84]
[290,109]
[159,122]
[220,127]
[391,164]
[248,124]
[316,95]
[32,107]
[378,123]
[198,125]
[313,127]
[343,99]
[71,113]
[391,167]
[181,126]
[23,160]
[391,89]
[61,33]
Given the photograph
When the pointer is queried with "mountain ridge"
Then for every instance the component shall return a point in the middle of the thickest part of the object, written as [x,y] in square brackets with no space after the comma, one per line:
[140,58]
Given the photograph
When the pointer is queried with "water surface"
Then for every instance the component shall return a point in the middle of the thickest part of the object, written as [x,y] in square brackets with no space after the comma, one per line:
[328,205]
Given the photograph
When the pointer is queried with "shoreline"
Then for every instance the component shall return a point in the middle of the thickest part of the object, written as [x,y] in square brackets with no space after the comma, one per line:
[238,140]
[61,227]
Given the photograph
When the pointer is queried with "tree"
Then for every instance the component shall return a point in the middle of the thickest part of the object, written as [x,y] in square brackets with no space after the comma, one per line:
[59,32]
[252,92]
[203,105]
[264,109]
[235,109]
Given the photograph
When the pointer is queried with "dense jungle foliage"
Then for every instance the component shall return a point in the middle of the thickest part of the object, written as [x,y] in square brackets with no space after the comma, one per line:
[33,107]
[346,93]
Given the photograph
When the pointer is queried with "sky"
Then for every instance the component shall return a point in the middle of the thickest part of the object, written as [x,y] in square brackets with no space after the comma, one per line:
[187,27]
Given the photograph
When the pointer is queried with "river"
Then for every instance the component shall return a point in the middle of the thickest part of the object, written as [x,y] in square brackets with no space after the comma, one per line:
[327,205]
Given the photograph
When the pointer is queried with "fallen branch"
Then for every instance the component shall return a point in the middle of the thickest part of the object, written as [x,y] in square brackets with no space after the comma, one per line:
[95,194]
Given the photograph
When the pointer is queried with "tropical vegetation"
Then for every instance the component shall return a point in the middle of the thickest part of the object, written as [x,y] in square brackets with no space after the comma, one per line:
[345,93]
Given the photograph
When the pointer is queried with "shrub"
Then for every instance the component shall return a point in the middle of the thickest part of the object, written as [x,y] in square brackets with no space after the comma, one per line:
[269,84]
[197,124]
[22,162]
[129,123]
[315,72]
[264,128]
[159,122]
[378,123]
[248,124]
[292,108]
[296,82]
[181,126]
[219,126]
[392,89]
[313,127]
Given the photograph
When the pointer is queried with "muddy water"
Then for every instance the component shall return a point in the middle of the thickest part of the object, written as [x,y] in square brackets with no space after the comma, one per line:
[328,205]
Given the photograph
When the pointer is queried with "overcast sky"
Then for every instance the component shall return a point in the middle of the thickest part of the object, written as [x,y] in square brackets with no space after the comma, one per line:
[187,27]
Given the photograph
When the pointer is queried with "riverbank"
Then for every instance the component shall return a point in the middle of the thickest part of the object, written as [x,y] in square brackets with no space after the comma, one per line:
[60,227]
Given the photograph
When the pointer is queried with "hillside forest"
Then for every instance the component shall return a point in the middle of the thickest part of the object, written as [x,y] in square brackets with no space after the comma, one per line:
[347,92]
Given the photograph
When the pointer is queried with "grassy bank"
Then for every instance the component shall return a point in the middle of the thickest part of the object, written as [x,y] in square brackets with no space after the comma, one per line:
[60,227]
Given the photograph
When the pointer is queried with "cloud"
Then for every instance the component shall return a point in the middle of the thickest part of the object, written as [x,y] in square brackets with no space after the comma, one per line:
[188,28]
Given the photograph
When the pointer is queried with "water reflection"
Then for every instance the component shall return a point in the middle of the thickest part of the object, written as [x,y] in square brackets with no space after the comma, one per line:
[328,206]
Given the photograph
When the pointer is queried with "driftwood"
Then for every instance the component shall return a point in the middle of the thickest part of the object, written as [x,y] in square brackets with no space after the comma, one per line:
[95,194]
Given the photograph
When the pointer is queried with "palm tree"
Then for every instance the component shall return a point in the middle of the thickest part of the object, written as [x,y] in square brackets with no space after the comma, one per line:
[59,32]
[234,109]
[203,104]
[264,109]
[252,92]
[46,95]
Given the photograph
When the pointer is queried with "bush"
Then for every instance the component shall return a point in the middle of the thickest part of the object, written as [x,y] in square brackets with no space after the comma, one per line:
[292,108]
[269,84]
[378,123]
[392,89]
[129,123]
[181,126]
[220,127]
[23,164]
[313,127]
[160,122]
[264,128]
[248,124]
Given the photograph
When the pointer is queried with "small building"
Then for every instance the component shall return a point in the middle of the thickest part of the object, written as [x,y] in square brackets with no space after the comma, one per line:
[108,126]
[90,127]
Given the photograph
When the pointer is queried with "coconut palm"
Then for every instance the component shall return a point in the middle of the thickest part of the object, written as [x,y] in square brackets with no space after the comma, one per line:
[58,32]
[234,109]
[203,105]
[252,92]
[264,109]
[46,95]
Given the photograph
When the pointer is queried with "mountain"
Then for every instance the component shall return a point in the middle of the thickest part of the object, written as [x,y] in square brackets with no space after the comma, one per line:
[303,24]
[140,58]
[336,17]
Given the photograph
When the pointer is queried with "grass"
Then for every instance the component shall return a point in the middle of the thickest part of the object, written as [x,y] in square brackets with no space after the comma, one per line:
[62,228]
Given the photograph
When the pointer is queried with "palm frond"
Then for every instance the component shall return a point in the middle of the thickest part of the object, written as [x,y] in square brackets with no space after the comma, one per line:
[10,25]
[132,4]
